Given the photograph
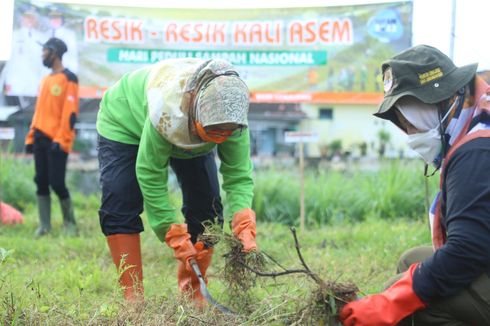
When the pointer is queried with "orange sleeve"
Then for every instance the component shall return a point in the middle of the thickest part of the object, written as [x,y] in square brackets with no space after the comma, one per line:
[30,136]
[66,132]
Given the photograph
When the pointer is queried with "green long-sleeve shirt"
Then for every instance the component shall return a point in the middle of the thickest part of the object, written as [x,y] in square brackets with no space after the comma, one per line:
[123,117]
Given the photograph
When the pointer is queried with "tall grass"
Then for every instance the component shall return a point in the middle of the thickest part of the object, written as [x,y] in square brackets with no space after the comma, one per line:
[17,186]
[397,189]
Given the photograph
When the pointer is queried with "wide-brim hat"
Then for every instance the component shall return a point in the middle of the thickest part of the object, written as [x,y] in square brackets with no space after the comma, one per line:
[423,72]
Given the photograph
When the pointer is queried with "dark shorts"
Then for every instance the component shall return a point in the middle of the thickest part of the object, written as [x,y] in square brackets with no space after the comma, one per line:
[122,201]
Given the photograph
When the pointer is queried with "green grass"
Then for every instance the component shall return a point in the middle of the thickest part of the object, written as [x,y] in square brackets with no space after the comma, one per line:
[72,281]
[358,224]
[396,190]
[17,181]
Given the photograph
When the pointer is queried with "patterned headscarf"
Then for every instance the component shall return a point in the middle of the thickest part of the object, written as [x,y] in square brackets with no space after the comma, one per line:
[218,95]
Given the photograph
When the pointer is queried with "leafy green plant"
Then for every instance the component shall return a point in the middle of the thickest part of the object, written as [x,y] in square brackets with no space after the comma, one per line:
[17,187]
[395,190]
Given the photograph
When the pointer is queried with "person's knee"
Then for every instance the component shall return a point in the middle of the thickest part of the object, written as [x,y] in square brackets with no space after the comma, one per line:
[60,189]
[42,185]
[125,188]
[412,256]
[42,188]
[119,223]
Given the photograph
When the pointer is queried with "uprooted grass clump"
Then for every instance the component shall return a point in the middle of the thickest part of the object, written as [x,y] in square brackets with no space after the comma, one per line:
[324,304]
[326,301]
[242,271]
[238,272]
[239,266]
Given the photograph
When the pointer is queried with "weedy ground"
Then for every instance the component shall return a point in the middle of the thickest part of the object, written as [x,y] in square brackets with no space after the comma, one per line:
[58,280]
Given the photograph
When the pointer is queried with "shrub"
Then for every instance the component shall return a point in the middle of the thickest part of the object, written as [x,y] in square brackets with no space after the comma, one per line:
[395,190]
[16,181]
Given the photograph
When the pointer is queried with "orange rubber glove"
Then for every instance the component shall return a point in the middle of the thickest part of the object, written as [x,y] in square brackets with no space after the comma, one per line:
[243,227]
[386,308]
[179,240]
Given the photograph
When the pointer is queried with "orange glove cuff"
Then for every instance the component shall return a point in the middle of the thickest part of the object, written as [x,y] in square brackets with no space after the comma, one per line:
[386,308]
[244,228]
[179,240]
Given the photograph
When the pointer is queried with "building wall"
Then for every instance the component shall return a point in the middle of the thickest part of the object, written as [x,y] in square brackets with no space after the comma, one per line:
[353,124]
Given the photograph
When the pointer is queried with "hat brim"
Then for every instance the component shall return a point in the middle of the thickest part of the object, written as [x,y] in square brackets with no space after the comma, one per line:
[430,94]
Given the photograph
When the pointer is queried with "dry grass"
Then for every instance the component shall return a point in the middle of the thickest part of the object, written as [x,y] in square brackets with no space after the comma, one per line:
[242,272]
[72,281]
[324,304]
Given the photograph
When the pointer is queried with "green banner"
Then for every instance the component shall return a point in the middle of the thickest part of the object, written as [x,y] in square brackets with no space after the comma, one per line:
[239,58]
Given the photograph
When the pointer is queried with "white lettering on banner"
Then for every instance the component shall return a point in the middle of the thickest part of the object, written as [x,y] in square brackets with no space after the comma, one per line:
[133,56]
[281,58]
[164,55]
[236,58]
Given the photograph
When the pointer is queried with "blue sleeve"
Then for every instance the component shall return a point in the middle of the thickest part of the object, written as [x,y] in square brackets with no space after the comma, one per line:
[466,203]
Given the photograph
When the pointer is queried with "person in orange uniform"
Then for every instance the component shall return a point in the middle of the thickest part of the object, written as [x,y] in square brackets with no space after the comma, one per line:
[51,136]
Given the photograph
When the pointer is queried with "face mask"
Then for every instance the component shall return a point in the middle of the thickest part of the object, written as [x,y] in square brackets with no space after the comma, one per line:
[421,115]
[428,144]
[210,138]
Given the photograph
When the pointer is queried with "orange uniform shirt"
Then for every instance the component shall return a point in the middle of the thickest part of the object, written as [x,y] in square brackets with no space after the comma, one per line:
[56,109]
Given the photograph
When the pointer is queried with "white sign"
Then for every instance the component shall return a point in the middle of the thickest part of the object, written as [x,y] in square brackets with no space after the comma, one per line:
[300,137]
[6,133]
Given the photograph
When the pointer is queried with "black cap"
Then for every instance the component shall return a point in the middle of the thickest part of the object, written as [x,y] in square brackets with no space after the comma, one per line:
[57,45]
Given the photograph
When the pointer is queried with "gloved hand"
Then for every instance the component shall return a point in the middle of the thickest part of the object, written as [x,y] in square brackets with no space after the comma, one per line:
[244,228]
[203,260]
[179,240]
[56,148]
[386,308]
[188,281]
[29,148]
